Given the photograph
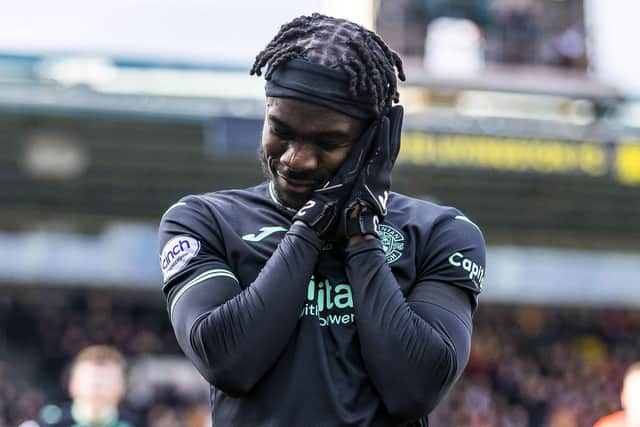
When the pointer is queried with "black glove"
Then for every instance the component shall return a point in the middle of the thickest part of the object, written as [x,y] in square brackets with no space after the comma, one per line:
[367,205]
[322,211]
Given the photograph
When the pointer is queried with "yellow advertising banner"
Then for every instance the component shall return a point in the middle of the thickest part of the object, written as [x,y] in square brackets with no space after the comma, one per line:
[627,162]
[533,155]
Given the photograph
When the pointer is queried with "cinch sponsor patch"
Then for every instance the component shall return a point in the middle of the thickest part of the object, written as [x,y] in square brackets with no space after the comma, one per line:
[176,254]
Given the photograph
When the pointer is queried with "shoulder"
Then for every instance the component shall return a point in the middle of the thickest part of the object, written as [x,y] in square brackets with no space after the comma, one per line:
[194,231]
[205,213]
[449,247]
[218,202]
[429,217]
[419,209]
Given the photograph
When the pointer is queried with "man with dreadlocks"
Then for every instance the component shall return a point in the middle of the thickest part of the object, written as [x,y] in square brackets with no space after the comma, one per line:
[319,298]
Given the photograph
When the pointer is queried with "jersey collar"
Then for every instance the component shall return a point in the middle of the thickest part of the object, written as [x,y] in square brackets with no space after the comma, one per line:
[274,197]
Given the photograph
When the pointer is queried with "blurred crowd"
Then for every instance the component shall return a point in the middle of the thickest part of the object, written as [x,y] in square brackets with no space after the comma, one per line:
[45,332]
[530,366]
[533,366]
[511,32]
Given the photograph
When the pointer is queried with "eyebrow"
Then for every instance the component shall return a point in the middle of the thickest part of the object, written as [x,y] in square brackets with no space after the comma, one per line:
[319,135]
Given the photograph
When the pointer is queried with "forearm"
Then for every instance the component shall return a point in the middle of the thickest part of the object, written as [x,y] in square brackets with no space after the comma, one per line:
[236,342]
[413,351]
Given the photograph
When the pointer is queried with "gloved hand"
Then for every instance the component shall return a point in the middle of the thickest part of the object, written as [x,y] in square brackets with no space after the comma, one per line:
[322,211]
[366,207]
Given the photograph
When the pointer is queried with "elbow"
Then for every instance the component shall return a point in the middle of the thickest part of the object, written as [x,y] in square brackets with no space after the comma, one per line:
[419,397]
[223,370]
[226,373]
[232,382]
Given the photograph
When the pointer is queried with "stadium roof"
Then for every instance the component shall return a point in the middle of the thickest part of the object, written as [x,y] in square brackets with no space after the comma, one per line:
[184,91]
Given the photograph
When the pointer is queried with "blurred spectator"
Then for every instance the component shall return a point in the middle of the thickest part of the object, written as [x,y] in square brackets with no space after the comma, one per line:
[454,47]
[570,47]
[530,366]
[542,366]
[520,34]
[164,416]
[97,385]
[630,400]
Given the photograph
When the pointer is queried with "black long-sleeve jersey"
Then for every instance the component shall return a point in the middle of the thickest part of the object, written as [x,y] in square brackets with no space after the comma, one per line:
[293,331]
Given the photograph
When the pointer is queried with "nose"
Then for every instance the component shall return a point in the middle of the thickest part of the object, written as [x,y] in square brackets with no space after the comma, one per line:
[300,157]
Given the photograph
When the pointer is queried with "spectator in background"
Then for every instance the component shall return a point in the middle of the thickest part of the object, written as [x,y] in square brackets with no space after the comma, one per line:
[630,400]
[97,385]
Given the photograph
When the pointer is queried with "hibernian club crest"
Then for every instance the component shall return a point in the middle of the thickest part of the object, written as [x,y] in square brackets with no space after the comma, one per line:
[392,242]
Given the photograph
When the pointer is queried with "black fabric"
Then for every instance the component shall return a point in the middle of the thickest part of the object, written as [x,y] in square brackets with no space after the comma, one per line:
[233,335]
[428,332]
[320,85]
[288,333]
[371,190]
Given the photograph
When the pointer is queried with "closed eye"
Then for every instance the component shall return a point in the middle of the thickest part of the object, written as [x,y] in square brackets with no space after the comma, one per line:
[333,145]
[330,140]
[280,133]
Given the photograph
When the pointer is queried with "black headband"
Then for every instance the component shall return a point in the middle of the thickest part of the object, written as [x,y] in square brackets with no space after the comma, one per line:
[318,84]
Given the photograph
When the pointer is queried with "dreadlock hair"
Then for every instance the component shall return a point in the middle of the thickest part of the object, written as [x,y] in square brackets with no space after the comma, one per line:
[340,44]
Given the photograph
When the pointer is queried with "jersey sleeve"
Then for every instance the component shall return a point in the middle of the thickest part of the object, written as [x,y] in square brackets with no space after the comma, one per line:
[191,246]
[218,323]
[415,346]
[455,254]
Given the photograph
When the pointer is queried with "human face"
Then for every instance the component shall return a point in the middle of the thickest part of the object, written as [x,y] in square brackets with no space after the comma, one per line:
[97,387]
[303,145]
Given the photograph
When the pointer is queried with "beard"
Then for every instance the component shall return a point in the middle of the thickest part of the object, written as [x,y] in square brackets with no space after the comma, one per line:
[269,174]
[264,163]
[285,198]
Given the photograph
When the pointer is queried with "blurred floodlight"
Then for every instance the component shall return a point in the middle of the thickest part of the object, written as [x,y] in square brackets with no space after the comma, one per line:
[189,83]
[71,71]
[614,32]
[54,156]
[101,75]
[454,47]
[629,114]
[525,106]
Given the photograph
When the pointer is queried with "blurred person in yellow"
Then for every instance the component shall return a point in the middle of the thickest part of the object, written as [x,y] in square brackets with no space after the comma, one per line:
[629,416]
[97,385]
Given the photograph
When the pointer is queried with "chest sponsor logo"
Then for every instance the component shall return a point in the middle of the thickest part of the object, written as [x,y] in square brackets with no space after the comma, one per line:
[177,253]
[263,233]
[392,242]
[331,304]
[474,271]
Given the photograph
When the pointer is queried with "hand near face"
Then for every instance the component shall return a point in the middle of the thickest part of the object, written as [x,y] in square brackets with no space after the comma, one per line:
[367,204]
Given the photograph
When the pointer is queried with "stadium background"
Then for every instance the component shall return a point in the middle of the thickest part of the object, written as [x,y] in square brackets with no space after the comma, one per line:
[522,113]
